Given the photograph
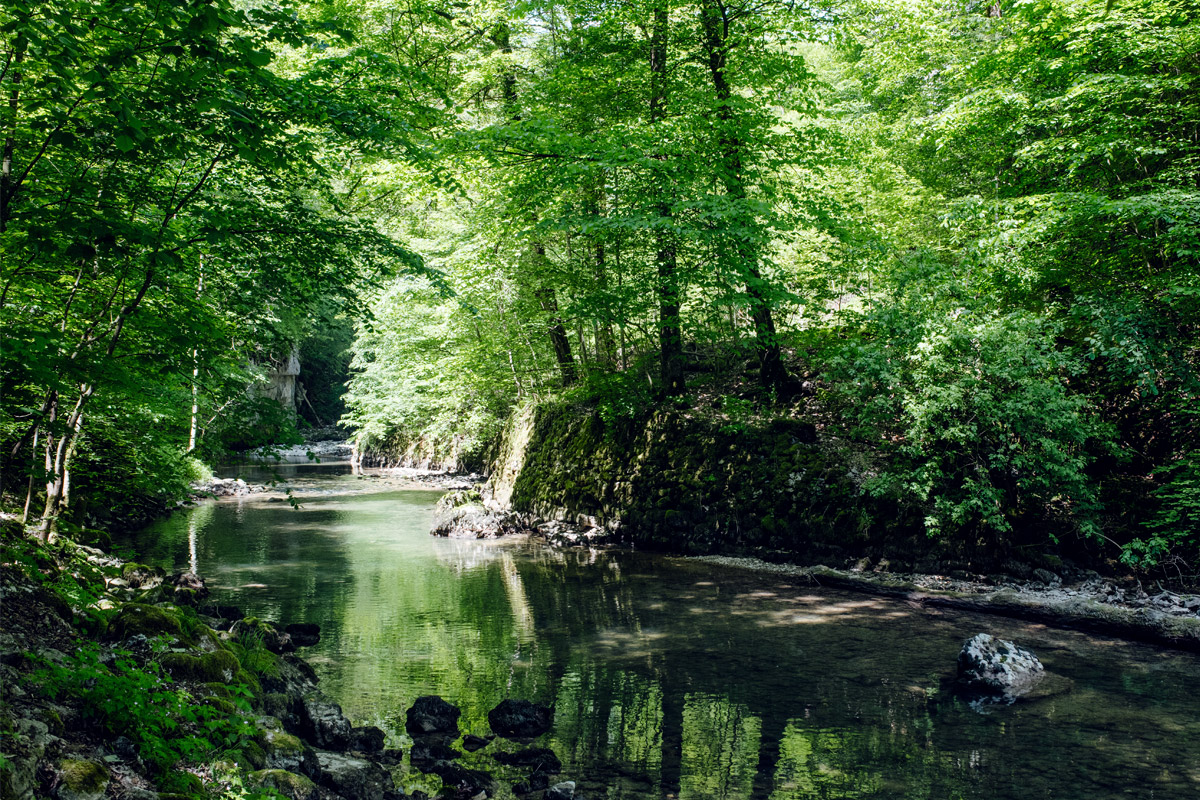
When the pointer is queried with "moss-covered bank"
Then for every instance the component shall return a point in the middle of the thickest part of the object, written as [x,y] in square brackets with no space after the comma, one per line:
[693,481]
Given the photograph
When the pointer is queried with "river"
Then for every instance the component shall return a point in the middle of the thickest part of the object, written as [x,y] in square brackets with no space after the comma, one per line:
[672,678]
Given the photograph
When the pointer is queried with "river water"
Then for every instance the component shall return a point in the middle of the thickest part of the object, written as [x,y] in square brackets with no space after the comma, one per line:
[673,678]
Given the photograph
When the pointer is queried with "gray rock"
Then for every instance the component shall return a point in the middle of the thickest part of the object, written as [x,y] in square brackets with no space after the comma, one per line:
[432,714]
[997,666]
[561,791]
[1046,576]
[353,778]
[24,750]
[323,722]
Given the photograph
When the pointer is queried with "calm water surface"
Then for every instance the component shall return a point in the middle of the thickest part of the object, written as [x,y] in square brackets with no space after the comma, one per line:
[676,679]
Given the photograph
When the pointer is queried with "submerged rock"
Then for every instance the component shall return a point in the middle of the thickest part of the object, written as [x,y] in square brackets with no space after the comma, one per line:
[561,791]
[431,714]
[303,634]
[471,742]
[520,719]
[463,782]
[997,666]
[540,759]
[424,754]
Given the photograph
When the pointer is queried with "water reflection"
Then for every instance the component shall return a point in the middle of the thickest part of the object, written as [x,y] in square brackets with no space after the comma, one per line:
[676,679]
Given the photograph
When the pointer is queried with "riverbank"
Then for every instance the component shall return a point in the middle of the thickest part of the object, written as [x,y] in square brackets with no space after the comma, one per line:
[119,681]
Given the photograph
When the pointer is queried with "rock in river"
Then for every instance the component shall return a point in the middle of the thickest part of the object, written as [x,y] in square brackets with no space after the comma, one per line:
[432,714]
[997,666]
[520,719]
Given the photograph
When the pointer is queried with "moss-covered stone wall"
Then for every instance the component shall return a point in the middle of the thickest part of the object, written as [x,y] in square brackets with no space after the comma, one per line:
[674,481]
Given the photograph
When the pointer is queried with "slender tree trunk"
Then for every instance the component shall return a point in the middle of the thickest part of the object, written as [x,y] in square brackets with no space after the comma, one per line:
[193,427]
[559,339]
[66,494]
[670,339]
[6,167]
[606,348]
[714,23]
[32,482]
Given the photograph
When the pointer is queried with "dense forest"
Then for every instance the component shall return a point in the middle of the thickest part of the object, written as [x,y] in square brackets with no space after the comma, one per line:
[963,237]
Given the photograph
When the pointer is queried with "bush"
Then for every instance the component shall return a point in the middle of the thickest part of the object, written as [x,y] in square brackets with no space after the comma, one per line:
[985,430]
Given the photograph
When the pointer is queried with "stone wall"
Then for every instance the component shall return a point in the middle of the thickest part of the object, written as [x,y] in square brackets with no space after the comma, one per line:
[675,482]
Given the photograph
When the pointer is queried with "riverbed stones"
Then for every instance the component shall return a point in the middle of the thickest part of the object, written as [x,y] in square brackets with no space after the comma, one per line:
[520,719]
[354,778]
[431,714]
[471,742]
[425,753]
[997,666]
[539,759]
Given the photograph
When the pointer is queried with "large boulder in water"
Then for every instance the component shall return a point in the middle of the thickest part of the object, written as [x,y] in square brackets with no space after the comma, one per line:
[432,715]
[520,719]
[996,666]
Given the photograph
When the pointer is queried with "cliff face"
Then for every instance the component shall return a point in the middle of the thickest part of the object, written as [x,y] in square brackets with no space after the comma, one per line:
[676,481]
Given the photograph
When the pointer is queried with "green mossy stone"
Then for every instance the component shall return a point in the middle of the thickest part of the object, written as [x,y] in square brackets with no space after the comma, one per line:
[81,780]
[288,784]
[253,755]
[218,667]
[181,785]
[149,621]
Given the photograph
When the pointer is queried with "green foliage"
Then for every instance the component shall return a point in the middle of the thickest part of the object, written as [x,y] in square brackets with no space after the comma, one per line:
[168,725]
[978,420]
[1173,531]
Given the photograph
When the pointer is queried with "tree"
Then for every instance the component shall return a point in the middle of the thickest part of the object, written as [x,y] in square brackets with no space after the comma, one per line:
[136,145]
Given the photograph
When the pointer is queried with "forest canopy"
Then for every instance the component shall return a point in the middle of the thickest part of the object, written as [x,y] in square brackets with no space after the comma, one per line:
[965,235]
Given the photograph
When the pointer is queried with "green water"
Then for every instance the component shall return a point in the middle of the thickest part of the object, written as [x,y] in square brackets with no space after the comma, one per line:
[676,679]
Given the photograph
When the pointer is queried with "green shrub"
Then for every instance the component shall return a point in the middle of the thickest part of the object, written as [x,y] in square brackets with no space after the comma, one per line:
[985,431]
[122,698]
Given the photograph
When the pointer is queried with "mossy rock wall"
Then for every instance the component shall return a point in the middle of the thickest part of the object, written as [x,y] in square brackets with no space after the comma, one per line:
[673,482]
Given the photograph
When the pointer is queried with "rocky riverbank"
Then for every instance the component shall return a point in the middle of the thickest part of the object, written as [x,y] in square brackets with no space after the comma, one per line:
[119,681]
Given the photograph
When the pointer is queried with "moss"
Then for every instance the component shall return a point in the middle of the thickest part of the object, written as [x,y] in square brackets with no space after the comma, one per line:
[280,743]
[83,778]
[181,784]
[253,755]
[220,666]
[137,618]
[289,784]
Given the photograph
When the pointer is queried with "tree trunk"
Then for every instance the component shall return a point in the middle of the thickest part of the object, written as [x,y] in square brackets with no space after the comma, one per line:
[670,339]
[6,168]
[714,24]
[559,339]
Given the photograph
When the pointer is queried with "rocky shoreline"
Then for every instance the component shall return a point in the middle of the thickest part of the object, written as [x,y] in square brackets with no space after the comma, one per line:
[1070,598]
